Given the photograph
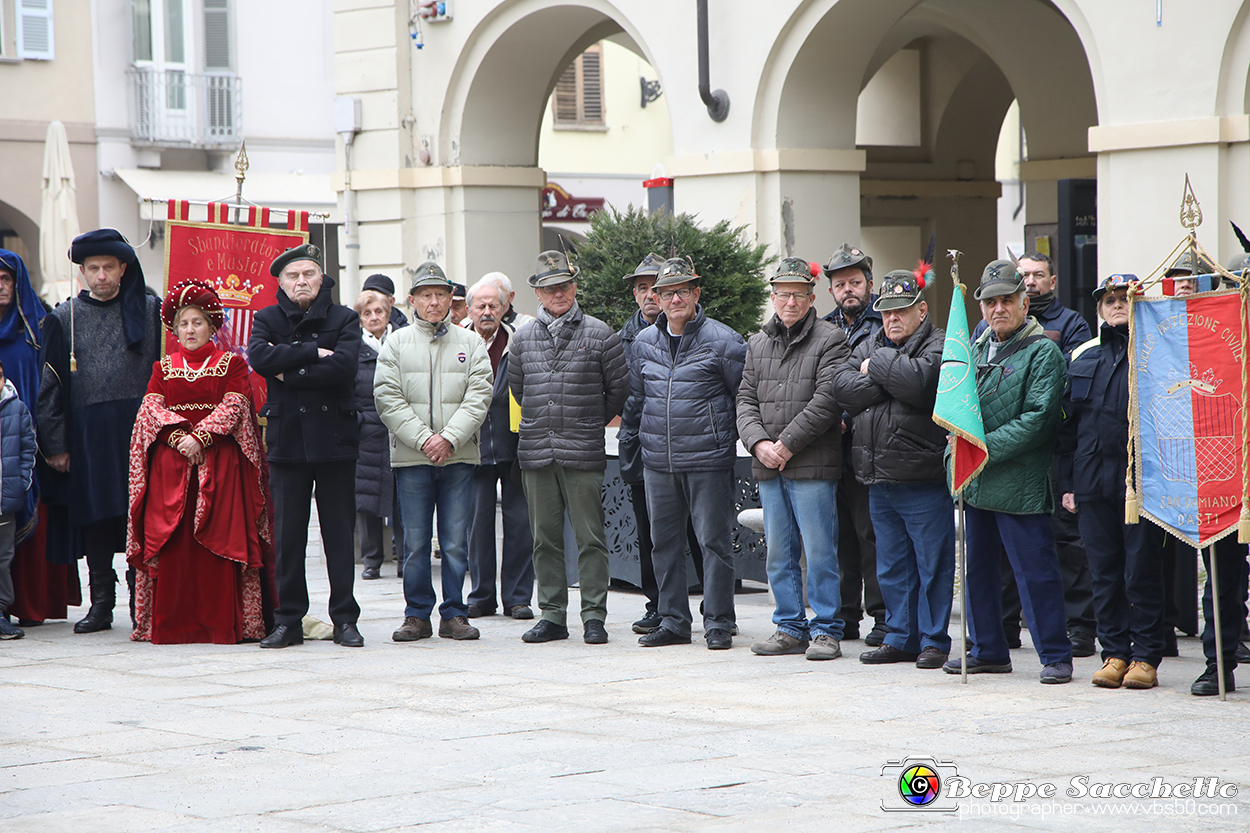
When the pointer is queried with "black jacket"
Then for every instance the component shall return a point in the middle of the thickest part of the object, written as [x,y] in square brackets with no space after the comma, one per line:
[629,449]
[311,410]
[375,484]
[497,441]
[895,437]
[1093,438]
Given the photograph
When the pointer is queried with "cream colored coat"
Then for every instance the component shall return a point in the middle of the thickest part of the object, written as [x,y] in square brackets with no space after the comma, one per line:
[432,380]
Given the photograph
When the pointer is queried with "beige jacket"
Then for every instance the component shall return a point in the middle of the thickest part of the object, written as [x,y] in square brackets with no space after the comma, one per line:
[432,380]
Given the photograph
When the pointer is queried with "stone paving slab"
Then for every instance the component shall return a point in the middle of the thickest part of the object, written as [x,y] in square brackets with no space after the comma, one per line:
[104,734]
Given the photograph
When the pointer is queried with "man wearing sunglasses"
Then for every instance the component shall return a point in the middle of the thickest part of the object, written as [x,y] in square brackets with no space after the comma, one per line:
[684,372]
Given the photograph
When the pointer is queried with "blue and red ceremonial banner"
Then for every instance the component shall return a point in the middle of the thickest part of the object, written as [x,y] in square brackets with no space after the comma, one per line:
[1186,375]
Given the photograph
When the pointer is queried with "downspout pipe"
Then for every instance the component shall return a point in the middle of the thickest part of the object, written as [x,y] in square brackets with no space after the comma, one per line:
[717,101]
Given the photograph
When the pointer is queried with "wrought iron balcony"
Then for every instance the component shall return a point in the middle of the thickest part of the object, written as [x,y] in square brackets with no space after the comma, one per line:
[170,108]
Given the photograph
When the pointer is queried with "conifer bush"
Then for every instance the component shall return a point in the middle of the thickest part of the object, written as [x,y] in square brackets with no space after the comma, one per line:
[734,287]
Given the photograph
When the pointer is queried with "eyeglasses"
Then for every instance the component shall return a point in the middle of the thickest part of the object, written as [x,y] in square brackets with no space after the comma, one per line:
[558,289]
[669,294]
[786,297]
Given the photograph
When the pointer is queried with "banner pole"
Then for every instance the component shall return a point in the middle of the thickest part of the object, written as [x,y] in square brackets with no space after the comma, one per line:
[1212,577]
[961,542]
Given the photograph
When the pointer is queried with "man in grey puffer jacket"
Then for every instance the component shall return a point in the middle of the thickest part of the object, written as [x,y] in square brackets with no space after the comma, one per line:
[890,386]
[567,370]
[684,372]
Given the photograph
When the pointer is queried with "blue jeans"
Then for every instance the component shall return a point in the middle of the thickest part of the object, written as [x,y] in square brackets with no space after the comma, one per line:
[915,529]
[806,509]
[421,489]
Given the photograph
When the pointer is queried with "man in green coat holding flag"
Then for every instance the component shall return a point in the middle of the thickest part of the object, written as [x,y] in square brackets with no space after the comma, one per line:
[1020,377]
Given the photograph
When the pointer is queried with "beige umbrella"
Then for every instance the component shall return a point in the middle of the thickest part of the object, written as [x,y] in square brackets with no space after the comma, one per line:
[58,216]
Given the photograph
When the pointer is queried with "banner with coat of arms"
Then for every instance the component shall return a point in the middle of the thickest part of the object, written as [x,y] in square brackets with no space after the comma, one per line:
[231,257]
[1185,388]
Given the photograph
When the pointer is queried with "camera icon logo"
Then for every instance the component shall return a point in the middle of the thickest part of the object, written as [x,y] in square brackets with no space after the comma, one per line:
[916,785]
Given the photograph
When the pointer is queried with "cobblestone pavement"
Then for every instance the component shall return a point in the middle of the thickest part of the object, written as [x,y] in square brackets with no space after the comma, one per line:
[101,734]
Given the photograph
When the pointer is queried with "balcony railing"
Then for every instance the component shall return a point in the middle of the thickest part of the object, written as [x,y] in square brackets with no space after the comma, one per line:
[170,108]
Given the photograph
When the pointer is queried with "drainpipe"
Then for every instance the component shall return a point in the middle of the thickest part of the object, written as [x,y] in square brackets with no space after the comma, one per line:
[717,102]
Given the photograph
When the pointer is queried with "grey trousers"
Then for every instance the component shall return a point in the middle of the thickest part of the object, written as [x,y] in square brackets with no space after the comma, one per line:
[705,498]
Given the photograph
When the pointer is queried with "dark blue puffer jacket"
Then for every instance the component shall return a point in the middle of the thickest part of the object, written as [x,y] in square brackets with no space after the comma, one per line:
[688,420]
[17,450]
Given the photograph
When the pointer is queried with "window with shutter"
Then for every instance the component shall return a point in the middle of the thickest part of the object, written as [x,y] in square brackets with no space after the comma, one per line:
[34,30]
[216,35]
[578,97]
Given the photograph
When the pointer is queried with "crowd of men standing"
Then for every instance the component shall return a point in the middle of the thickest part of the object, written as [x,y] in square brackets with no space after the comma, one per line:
[471,402]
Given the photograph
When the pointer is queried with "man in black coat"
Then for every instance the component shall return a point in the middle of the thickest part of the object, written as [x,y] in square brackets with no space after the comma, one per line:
[307,348]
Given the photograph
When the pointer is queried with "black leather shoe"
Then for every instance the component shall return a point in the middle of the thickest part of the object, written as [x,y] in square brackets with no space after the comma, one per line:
[284,636]
[1082,642]
[370,573]
[476,611]
[886,654]
[875,636]
[931,657]
[1208,685]
[1242,655]
[662,636]
[545,631]
[594,633]
[718,640]
[347,636]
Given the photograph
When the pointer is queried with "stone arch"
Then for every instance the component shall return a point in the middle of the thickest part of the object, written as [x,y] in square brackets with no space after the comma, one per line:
[507,70]
[28,230]
[1233,93]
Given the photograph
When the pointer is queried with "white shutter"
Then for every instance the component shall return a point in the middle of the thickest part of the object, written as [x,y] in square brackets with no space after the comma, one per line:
[216,35]
[34,30]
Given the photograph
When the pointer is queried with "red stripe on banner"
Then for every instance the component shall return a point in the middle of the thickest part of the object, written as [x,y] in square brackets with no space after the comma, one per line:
[264,218]
[173,209]
[184,210]
[251,216]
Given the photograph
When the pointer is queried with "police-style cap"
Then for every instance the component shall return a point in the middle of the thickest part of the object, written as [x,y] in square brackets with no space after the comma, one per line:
[899,289]
[999,278]
[1113,282]
[457,290]
[103,242]
[846,257]
[674,271]
[648,267]
[795,270]
[305,252]
[551,268]
[430,274]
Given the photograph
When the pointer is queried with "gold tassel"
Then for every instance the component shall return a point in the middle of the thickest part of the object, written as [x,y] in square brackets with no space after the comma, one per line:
[1243,525]
[1132,506]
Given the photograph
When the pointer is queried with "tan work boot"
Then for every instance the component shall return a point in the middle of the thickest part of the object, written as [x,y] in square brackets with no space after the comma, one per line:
[1111,674]
[1141,675]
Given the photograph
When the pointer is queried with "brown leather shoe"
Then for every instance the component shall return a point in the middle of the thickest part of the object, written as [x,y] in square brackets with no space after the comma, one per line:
[1111,674]
[1141,675]
[457,627]
[413,629]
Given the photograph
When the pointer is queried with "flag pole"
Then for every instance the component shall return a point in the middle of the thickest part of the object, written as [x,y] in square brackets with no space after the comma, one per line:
[961,544]
[1212,573]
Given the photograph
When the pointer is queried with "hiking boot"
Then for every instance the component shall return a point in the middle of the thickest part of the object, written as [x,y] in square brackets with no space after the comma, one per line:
[1111,674]
[780,643]
[1141,675]
[823,646]
[413,629]
[649,622]
[457,627]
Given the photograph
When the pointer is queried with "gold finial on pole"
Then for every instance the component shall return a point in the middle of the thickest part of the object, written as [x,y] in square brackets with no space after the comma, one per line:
[240,166]
[1191,211]
[954,255]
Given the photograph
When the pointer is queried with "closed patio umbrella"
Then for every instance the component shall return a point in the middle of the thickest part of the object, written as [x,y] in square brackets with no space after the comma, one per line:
[58,216]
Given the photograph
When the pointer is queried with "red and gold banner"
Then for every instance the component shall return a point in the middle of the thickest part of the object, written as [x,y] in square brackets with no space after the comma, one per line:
[232,258]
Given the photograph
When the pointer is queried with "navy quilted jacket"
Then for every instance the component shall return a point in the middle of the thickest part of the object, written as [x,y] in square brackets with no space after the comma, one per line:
[688,420]
[17,450]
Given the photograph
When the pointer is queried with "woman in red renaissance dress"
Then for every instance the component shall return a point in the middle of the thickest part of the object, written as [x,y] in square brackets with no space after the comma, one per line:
[200,523]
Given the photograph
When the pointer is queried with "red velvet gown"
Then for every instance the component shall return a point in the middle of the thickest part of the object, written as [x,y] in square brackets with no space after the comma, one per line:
[197,534]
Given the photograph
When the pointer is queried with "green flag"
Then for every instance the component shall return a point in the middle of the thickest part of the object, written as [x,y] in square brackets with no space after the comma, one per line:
[957,409]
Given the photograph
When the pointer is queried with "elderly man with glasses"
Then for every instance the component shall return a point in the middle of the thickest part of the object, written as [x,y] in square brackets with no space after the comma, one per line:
[567,371]
[1021,375]
[684,373]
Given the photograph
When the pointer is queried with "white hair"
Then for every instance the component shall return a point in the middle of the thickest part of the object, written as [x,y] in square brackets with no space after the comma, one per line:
[500,280]
[487,283]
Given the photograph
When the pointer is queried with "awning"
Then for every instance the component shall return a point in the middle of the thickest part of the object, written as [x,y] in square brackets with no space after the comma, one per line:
[303,192]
